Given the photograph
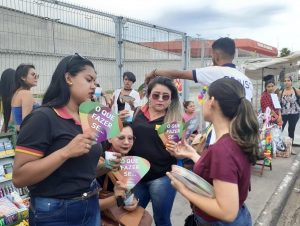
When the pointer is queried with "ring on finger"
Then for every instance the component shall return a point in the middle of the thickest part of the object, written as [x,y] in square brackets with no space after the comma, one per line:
[87,145]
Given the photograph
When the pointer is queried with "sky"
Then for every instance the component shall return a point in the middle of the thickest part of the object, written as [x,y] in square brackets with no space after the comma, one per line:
[272,22]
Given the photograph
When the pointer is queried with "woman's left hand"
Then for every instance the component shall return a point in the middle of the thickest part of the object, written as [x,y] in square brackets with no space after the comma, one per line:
[180,150]
[178,185]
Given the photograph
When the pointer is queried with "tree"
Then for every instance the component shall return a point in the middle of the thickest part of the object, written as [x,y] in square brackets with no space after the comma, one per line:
[285,52]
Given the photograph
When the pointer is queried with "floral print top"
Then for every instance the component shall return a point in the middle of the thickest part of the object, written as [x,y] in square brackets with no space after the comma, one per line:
[289,104]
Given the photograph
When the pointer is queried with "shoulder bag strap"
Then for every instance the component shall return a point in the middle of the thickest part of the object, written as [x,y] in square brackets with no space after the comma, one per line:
[111,177]
[105,184]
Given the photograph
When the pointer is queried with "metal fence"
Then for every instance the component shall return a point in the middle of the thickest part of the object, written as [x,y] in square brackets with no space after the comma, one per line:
[41,32]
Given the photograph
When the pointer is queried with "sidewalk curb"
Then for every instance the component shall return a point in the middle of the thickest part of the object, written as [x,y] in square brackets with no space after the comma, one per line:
[270,214]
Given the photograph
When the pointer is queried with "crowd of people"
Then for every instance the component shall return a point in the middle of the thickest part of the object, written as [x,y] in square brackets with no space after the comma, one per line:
[64,168]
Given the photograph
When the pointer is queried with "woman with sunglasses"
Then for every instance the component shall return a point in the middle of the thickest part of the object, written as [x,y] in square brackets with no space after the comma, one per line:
[22,102]
[163,106]
[226,164]
[54,158]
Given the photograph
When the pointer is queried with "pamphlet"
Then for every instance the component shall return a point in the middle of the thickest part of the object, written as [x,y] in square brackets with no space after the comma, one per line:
[194,182]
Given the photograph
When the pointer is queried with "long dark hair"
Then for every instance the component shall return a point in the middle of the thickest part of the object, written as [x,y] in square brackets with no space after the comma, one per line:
[22,72]
[58,92]
[244,128]
[174,110]
[7,88]
[269,79]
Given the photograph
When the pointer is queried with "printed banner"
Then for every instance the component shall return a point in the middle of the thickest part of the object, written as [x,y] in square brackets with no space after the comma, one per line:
[170,131]
[99,119]
[132,170]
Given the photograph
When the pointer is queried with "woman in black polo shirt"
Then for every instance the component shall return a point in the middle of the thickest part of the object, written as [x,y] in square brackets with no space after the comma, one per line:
[53,158]
[163,106]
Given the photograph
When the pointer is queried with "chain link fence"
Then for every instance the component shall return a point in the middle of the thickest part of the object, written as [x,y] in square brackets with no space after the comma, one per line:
[41,32]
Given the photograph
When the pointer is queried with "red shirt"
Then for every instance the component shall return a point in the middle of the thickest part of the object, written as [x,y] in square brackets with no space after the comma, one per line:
[266,101]
[224,161]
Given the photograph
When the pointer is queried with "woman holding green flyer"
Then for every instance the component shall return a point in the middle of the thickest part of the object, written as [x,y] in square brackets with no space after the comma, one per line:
[163,107]
[54,158]
[226,164]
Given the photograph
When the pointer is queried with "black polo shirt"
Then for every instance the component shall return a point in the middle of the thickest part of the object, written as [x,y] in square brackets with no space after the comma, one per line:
[149,145]
[43,132]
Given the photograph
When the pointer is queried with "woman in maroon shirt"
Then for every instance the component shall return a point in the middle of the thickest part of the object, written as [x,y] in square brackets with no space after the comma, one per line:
[226,164]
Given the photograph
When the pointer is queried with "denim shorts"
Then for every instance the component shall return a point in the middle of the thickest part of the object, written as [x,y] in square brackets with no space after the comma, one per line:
[243,218]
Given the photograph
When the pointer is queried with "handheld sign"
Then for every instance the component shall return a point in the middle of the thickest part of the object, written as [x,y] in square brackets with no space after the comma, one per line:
[99,119]
[132,170]
[170,131]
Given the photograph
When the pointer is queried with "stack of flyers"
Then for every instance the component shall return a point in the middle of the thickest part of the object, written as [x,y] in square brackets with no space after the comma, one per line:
[194,182]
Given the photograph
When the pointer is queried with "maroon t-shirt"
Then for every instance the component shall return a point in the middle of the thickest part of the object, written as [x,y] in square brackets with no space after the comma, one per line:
[224,161]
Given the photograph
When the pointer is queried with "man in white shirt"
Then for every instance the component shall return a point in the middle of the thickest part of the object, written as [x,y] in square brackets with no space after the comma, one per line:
[223,51]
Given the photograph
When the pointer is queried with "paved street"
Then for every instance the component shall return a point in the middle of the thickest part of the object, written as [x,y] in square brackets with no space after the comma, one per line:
[291,213]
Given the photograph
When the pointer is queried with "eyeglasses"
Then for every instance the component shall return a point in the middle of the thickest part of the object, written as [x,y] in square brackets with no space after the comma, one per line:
[130,139]
[156,96]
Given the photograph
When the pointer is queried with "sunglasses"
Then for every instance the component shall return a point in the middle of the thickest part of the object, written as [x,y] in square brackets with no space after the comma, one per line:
[130,139]
[36,76]
[76,55]
[156,96]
